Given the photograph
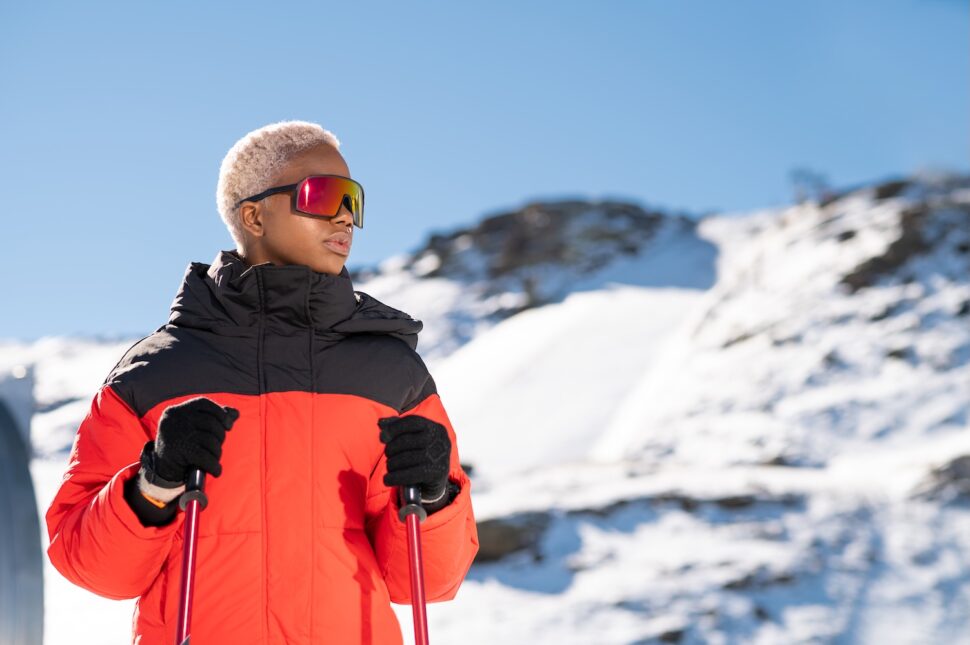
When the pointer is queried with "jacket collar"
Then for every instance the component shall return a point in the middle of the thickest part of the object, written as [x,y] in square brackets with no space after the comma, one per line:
[231,298]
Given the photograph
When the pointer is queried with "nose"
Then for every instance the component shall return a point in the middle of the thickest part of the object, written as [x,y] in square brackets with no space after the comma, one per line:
[344,217]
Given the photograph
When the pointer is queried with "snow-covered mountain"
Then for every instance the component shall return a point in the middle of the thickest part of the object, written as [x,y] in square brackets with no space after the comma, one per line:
[467,280]
[741,428]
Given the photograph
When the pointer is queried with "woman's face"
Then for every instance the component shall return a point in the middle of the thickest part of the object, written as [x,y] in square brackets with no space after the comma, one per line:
[282,235]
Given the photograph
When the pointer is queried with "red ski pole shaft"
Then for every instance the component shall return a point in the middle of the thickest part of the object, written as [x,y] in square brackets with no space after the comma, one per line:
[192,501]
[413,513]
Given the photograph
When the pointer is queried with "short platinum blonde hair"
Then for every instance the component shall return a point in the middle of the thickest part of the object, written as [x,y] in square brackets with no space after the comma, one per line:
[254,160]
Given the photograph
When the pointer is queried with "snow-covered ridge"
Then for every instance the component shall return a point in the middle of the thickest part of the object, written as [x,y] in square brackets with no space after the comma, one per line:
[787,465]
[827,325]
[464,281]
[747,429]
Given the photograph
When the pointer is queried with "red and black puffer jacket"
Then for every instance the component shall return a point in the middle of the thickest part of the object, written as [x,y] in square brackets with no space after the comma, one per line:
[301,541]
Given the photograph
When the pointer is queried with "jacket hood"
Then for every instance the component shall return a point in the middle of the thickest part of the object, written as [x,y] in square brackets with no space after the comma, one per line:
[231,298]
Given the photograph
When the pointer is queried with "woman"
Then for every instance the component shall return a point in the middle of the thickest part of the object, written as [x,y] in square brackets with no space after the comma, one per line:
[307,404]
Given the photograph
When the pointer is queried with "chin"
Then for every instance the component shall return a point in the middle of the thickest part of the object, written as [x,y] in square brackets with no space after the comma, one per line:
[327,262]
[330,269]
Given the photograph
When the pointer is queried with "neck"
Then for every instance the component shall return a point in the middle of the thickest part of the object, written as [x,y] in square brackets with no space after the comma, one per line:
[252,255]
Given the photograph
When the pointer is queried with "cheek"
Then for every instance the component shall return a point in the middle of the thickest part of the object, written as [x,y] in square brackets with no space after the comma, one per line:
[293,239]
[308,233]
[294,230]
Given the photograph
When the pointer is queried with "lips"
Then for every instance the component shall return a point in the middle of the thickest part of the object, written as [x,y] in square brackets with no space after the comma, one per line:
[339,243]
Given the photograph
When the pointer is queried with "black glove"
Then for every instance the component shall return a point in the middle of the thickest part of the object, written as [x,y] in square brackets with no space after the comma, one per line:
[190,436]
[418,453]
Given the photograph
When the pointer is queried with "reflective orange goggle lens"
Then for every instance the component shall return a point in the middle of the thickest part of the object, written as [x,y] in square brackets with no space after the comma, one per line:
[322,196]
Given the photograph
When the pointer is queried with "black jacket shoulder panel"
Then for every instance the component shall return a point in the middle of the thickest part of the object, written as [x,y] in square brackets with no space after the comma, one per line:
[377,366]
[173,362]
[250,330]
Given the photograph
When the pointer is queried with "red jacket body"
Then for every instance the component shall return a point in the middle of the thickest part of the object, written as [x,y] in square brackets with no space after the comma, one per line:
[300,542]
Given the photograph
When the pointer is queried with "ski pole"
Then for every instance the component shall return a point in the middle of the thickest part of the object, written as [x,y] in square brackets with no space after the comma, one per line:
[412,513]
[192,501]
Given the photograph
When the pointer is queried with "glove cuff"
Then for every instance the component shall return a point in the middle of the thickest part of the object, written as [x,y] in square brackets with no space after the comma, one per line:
[448,495]
[149,470]
[435,495]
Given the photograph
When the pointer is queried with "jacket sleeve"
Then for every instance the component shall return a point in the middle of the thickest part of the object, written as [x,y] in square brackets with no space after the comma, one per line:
[96,540]
[449,536]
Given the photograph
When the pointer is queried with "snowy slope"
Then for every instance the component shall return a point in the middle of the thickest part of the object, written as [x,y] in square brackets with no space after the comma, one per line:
[746,431]
[784,468]
[598,312]
[559,369]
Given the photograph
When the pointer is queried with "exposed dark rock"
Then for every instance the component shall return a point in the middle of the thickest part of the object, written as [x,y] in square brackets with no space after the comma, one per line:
[685,502]
[777,460]
[909,243]
[735,501]
[949,482]
[759,578]
[557,233]
[580,234]
[883,190]
[889,311]
[638,606]
[603,511]
[931,225]
[891,188]
[499,537]
[740,338]
[533,254]
[671,636]
[690,503]
[503,536]
[833,361]
[901,353]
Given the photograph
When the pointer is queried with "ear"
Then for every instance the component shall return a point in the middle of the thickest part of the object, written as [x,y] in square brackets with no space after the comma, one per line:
[251,218]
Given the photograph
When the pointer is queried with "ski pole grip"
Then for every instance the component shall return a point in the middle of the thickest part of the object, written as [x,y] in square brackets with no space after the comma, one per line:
[411,503]
[194,490]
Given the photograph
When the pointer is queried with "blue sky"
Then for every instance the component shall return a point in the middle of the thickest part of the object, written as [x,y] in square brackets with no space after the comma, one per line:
[116,116]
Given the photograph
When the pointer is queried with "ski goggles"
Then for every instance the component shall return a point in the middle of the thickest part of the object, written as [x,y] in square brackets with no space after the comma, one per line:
[321,196]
